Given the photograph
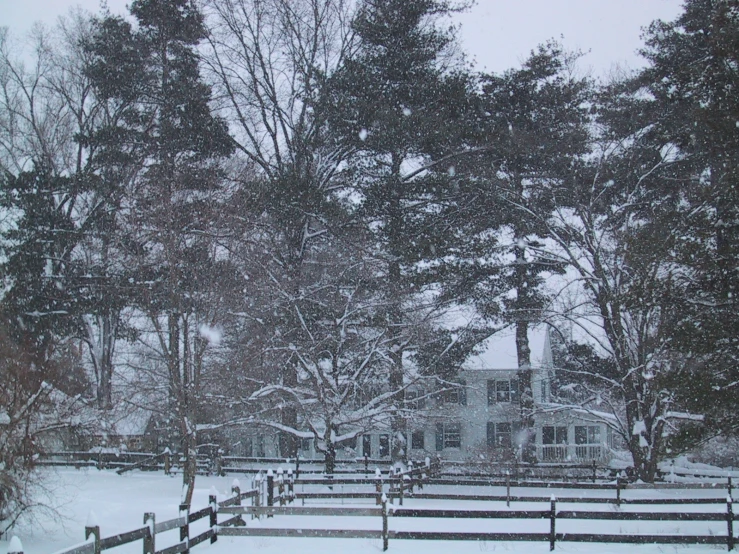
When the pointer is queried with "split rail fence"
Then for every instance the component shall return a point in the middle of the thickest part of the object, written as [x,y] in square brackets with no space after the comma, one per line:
[274,495]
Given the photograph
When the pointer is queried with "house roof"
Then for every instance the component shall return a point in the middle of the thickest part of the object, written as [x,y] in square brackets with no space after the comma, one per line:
[127,420]
[499,350]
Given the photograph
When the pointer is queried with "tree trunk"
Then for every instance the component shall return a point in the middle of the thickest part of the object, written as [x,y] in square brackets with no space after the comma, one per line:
[329,454]
[526,396]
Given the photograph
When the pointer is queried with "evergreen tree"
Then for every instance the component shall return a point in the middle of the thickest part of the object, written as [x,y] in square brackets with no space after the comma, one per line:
[530,128]
[154,72]
[693,77]
[398,106]
[41,307]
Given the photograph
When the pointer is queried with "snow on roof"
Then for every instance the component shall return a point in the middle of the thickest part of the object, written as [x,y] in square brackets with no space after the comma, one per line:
[128,420]
[499,351]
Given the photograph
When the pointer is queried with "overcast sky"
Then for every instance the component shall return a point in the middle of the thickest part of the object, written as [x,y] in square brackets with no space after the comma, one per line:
[497,34]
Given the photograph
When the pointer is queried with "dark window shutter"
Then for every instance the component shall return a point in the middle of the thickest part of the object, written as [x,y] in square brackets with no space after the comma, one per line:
[491,434]
[491,392]
[439,437]
[463,392]
[514,390]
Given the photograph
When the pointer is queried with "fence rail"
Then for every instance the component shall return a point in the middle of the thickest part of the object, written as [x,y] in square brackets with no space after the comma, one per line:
[271,490]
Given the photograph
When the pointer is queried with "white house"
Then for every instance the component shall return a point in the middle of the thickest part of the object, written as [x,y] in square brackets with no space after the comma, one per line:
[479,418]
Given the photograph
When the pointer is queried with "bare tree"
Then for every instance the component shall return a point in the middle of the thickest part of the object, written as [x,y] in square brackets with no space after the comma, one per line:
[270,61]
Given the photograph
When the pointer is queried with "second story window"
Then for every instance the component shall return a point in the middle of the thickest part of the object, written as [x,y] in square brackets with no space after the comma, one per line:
[502,390]
[415,399]
[454,393]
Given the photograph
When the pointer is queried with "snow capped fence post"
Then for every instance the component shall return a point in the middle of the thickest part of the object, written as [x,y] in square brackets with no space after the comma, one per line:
[730,523]
[297,465]
[219,463]
[150,539]
[507,488]
[270,489]
[384,523]
[185,528]
[15,546]
[552,520]
[378,486]
[258,486]
[93,529]
[290,486]
[213,501]
[236,491]
[281,486]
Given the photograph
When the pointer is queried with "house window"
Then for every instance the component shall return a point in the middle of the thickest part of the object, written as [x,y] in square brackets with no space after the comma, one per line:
[448,435]
[259,446]
[416,399]
[417,440]
[305,444]
[588,442]
[367,446]
[499,434]
[502,390]
[587,434]
[384,446]
[551,434]
[456,393]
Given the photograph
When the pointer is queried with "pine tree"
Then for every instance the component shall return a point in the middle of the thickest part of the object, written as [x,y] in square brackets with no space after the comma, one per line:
[693,78]
[397,105]
[153,72]
[531,126]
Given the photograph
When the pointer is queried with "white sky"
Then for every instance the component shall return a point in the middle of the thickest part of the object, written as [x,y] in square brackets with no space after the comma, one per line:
[497,34]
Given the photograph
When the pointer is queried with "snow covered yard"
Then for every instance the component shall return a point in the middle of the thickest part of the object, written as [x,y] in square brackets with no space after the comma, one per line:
[119,503]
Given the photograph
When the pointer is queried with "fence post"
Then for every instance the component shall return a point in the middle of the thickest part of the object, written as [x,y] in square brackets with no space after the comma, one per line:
[297,465]
[258,497]
[730,523]
[728,484]
[95,532]
[185,529]
[281,486]
[150,541]
[384,523]
[213,501]
[378,486]
[552,519]
[618,491]
[270,490]
[167,461]
[594,471]
[219,463]
[92,528]
[401,486]
[236,491]
[507,488]
[290,486]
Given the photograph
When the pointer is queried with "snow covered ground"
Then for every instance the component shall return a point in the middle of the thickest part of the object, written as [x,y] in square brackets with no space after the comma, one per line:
[119,502]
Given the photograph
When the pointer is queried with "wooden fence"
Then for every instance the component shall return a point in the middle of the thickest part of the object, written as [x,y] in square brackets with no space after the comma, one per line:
[552,514]
[94,543]
[274,492]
